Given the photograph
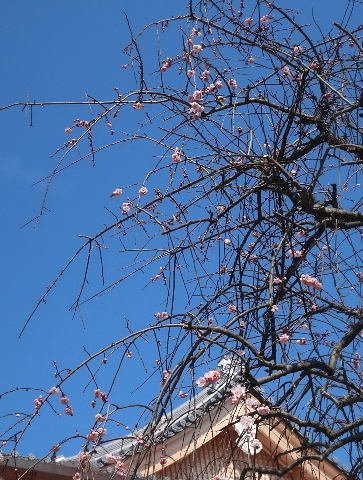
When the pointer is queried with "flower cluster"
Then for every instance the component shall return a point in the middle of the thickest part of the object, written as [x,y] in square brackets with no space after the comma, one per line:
[296,253]
[176,156]
[38,402]
[196,110]
[119,465]
[101,395]
[64,400]
[197,49]
[126,207]
[284,338]
[165,377]
[232,308]
[69,411]
[143,191]
[208,378]
[116,193]
[238,393]
[311,282]
[246,422]
[255,444]
[161,316]
[232,83]
[166,65]
[99,418]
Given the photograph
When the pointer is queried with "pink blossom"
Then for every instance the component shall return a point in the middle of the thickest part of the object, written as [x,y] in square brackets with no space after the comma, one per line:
[232,308]
[298,49]
[116,193]
[92,436]
[54,391]
[38,402]
[195,33]
[77,476]
[143,191]
[284,338]
[196,96]
[68,130]
[137,106]
[182,394]
[246,421]
[69,410]
[238,393]
[274,308]
[255,443]
[286,73]
[64,400]
[251,60]
[201,382]
[301,341]
[126,207]
[84,457]
[296,253]
[197,48]
[264,19]
[232,83]
[163,460]
[252,403]
[209,377]
[102,432]
[311,282]
[166,65]
[249,21]
[99,418]
[166,374]
[263,410]
[176,157]
[190,73]
[205,75]
[355,363]
[212,376]
[196,110]
[161,316]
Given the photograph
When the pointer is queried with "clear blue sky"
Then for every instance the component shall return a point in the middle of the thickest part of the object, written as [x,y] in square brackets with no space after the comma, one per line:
[54,51]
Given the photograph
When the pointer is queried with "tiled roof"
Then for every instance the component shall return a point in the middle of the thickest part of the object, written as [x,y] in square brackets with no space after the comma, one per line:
[176,421]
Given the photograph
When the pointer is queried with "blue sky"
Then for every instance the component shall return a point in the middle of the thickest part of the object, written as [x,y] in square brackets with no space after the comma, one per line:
[54,51]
